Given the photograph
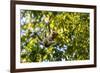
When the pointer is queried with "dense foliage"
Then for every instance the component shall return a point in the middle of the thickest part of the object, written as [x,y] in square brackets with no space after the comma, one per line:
[70,43]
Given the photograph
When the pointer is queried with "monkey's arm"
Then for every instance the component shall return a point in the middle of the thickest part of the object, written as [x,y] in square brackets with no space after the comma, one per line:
[39,37]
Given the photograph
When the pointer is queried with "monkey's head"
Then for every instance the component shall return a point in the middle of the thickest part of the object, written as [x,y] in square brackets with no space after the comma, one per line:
[54,34]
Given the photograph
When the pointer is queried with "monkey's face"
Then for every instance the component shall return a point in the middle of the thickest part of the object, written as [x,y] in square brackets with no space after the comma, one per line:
[54,34]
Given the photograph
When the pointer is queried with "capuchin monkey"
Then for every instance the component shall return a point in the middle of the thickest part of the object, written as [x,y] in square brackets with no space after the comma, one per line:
[49,40]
